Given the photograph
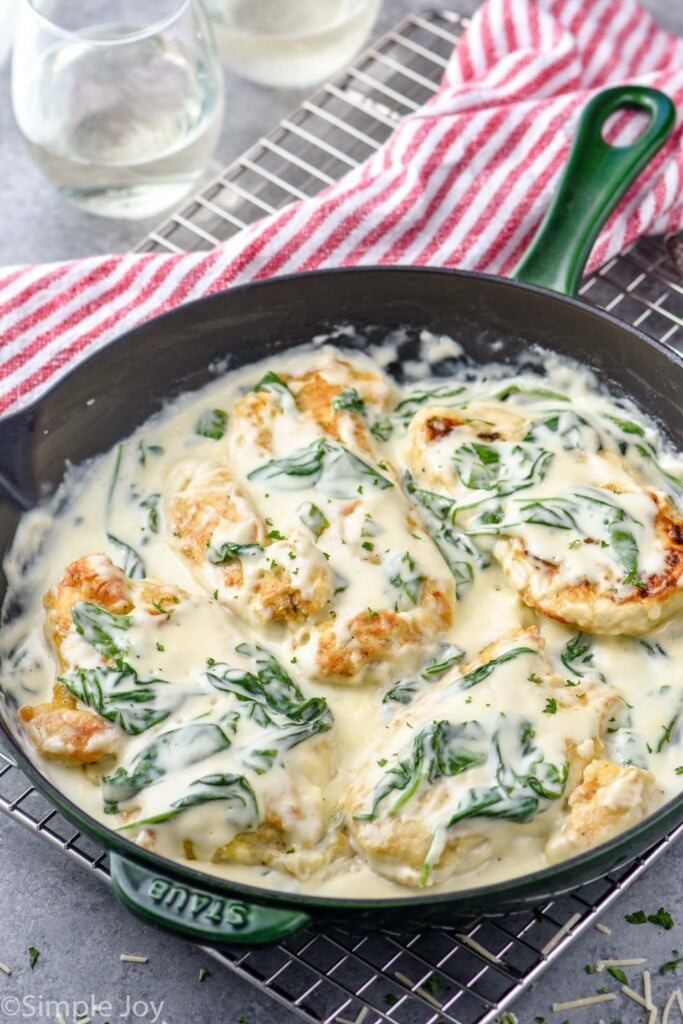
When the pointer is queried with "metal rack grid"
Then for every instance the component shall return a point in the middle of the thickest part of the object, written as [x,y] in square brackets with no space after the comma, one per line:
[432,975]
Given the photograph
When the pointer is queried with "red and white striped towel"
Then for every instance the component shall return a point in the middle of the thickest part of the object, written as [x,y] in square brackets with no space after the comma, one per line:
[463,182]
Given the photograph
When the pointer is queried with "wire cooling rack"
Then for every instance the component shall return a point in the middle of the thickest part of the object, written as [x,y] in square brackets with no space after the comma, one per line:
[434,975]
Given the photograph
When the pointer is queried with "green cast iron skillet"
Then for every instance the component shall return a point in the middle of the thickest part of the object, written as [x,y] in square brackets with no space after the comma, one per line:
[495,320]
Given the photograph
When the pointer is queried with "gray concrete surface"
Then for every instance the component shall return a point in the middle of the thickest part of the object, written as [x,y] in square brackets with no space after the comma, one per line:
[51,903]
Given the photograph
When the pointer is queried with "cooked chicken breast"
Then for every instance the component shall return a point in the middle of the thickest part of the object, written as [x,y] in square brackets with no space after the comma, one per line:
[462,768]
[334,398]
[371,645]
[619,574]
[290,828]
[435,433]
[336,395]
[62,731]
[235,556]
[610,799]
[279,541]
[93,578]
[233,730]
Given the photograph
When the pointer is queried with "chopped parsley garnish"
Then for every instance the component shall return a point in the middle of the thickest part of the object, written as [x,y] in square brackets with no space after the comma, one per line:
[662,918]
[143,449]
[159,605]
[550,706]
[33,954]
[671,965]
[382,429]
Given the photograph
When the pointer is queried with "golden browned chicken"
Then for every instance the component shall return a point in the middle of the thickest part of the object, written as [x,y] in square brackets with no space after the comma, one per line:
[62,731]
[217,529]
[62,728]
[435,432]
[353,651]
[610,799]
[478,759]
[597,583]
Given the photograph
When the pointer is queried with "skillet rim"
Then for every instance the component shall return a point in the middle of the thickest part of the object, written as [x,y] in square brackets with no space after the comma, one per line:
[130,851]
[574,301]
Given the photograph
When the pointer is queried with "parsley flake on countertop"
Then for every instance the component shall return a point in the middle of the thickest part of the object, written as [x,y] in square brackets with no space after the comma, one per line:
[671,965]
[663,918]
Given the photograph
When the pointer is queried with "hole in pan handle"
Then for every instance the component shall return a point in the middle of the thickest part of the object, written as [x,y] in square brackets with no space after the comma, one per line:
[200,914]
[594,179]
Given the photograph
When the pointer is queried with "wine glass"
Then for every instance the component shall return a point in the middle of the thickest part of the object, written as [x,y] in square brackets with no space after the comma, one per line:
[120,104]
[286,43]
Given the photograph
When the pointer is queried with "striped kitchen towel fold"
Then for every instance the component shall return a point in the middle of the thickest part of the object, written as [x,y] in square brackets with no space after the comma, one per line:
[463,182]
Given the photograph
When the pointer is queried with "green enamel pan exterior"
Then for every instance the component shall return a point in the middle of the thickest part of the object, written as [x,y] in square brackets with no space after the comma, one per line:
[494,319]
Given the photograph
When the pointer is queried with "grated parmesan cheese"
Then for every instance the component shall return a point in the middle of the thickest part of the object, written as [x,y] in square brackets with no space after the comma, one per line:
[404,979]
[627,962]
[647,989]
[4,968]
[576,1004]
[634,996]
[428,996]
[128,958]
[667,1006]
[478,948]
[603,928]
[601,965]
[558,936]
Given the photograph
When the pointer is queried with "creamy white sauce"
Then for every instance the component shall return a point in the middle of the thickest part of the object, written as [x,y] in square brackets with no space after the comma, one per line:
[348,526]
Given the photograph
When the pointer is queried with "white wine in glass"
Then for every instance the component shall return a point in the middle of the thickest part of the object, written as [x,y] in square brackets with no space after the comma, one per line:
[121,115]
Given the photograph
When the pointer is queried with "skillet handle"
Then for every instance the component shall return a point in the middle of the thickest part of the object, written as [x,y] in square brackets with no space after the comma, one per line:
[595,178]
[199,914]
